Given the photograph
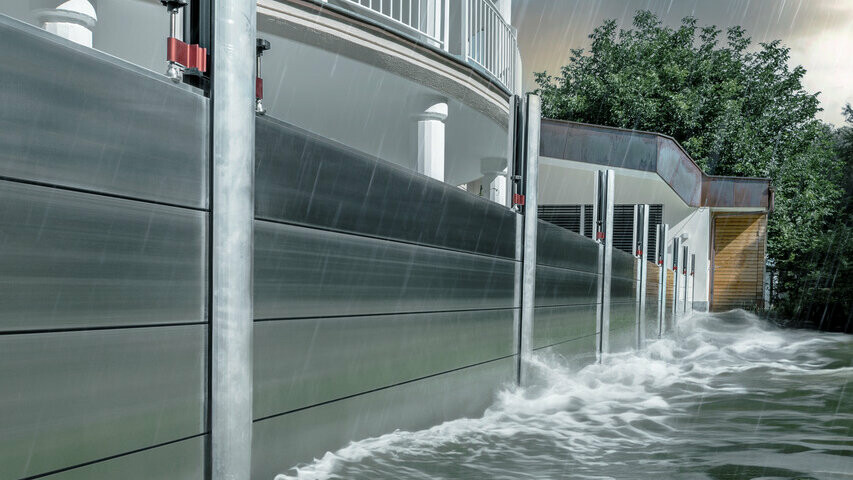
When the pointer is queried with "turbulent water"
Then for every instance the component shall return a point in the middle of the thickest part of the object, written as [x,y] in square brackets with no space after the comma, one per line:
[727,396]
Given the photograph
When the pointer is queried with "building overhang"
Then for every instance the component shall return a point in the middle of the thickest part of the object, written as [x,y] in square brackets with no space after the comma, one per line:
[656,154]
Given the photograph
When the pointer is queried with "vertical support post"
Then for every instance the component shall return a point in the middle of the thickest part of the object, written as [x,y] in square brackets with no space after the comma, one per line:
[582,221]
[531,178]
[641,251]
[431,140]
[663,233]
[685,256]
[232,204]
[675,283]
[603,228]
[693,281]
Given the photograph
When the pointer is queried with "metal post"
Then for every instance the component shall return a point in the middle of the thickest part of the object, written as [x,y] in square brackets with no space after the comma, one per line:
[530,230]
[603,228]
[232,204]
[675,283]
[685,255]
[663,233]
[693,281]
[642,245]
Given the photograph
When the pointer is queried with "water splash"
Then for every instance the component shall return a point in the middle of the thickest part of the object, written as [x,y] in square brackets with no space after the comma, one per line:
[727,396]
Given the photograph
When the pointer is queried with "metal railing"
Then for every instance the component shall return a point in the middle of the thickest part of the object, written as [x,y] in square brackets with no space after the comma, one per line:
[424,17]
[473,31]
[491,42]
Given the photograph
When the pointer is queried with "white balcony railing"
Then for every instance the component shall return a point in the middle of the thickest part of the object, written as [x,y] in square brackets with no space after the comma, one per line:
[424,17]
[491,42]
[472,30]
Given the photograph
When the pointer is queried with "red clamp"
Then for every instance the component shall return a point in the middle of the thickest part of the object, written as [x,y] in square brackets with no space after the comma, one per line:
[639,253]
[599,235]
[517,199]
[660,262]
[259,88]
[188,56]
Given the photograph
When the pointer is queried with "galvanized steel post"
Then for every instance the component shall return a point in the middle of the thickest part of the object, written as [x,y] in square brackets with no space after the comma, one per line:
[663,233]
[603,233]
[642,244]
[675,282]
[232,204]
[531,179]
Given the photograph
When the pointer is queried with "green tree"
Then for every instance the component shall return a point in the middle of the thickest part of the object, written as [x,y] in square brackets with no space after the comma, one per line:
[736,110]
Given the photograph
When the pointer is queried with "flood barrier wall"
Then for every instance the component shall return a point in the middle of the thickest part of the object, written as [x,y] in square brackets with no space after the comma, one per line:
[383,299]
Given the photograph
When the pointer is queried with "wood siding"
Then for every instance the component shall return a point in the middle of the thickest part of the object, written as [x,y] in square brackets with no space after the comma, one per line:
[738,261]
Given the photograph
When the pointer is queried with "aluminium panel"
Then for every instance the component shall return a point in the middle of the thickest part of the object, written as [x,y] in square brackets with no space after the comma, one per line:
[559,247]
[281,442]
[305,272]
[623,326]
[561,324]
[299,363]
[305,179]
[77,260]
[559,286]
[74,397]
[624,264]
[182,460]
[623,290]
[574,354]
[63,121]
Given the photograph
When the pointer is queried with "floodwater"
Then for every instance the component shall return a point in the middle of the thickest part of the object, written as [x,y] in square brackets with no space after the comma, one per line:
[727,396]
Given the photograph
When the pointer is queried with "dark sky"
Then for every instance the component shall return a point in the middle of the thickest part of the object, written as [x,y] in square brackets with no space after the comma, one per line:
[819,32]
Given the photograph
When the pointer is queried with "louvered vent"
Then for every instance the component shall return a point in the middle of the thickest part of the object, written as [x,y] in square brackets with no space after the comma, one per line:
[623,227]
[568,217]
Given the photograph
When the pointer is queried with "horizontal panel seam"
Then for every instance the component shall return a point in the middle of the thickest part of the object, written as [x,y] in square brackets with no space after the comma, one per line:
[398,384]
[67,188]
[98,328]
[384,314]
[555,267]
[567,305]
[567,341]
[381,238]
[104,459]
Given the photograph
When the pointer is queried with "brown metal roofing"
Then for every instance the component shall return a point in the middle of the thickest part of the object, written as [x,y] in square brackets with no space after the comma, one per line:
[652,152]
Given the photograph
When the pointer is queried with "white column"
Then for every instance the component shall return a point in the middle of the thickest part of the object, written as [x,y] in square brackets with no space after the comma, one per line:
[494,172]
[431,140]
[73,19]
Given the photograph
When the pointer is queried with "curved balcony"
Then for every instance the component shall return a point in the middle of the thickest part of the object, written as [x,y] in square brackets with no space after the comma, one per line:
[471,31]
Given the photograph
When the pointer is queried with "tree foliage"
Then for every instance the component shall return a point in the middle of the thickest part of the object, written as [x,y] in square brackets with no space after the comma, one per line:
[737,109]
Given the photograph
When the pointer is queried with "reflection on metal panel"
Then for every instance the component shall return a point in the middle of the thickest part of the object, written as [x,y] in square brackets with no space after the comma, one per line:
[283,441]
[623,265]
[623,290]
[72,260]
[560,324]
[76,397]
[558,286]
[182,460]
[299,363]
[302,178]
[63,121]
[302,272]
[623,331]
[559,247]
